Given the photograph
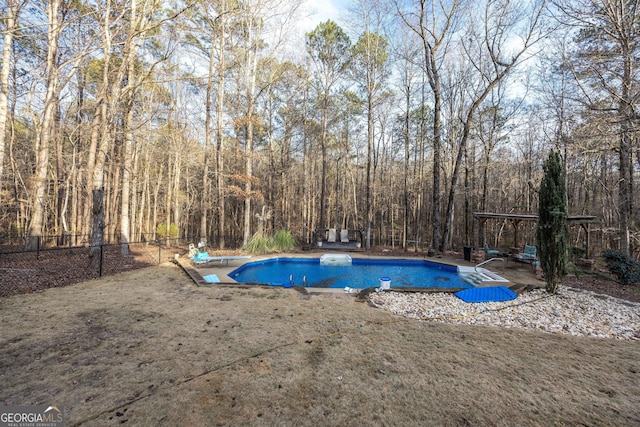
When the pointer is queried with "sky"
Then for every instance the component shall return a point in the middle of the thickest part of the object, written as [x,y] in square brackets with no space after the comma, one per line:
[317,11]
[310,14]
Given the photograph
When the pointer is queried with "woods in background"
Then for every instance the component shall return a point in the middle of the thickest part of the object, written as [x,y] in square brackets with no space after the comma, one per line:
[129,120]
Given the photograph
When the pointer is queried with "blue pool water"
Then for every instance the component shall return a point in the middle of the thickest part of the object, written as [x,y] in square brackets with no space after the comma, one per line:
[363,273]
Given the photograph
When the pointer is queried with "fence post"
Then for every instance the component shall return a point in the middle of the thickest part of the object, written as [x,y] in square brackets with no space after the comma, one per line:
[37,247]
[159,251]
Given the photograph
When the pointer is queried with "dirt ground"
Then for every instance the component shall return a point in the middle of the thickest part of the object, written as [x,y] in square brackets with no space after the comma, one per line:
[148,347]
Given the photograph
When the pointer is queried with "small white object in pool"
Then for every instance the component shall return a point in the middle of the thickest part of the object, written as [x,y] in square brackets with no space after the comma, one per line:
[335,259]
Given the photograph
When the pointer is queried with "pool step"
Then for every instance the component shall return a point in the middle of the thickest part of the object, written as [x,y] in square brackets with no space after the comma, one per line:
[492,275]
[474,278]
[480,277]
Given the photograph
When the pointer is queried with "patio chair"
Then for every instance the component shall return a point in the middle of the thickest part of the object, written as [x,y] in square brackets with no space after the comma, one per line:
[344,236]
[529,255]
[490,252]
[192,250]
[332,235]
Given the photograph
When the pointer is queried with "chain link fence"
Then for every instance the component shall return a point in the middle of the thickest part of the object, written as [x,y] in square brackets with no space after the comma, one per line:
[27,271]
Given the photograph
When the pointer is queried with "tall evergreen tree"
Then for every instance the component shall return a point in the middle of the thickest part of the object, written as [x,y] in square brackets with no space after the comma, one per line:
[552,231]
[328,46]
[370,70]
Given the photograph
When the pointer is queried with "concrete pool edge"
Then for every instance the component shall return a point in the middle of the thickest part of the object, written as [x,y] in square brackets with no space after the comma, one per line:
[197,275]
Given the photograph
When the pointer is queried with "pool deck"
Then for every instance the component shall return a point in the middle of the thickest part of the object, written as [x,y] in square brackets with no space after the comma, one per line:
[520,276]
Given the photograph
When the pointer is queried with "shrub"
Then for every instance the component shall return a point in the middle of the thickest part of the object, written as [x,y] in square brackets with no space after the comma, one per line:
[625,268]
[163,233]
[283,241]
[578,253]
[259,244]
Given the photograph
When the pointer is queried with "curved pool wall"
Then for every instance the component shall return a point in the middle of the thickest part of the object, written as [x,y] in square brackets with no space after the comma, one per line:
[361,274]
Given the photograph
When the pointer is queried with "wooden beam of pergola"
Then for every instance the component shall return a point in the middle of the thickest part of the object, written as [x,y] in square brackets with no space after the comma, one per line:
[516,219]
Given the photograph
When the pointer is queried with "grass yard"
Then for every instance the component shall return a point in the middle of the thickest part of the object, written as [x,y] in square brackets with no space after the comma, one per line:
[149,348]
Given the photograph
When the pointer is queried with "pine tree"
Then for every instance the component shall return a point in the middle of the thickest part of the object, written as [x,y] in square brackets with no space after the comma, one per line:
[552,231]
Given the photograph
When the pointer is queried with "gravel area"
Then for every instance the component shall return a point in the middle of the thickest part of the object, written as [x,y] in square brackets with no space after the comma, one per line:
[570,311]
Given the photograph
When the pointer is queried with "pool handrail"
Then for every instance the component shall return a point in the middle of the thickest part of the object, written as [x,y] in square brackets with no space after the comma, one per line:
[488,261]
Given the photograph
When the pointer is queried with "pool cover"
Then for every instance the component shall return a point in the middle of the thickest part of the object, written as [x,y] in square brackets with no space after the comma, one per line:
[489,294]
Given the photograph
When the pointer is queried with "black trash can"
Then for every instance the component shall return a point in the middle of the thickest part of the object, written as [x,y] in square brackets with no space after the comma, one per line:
[467,252]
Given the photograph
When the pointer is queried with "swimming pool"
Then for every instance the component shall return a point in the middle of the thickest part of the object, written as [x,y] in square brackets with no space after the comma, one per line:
[361,274]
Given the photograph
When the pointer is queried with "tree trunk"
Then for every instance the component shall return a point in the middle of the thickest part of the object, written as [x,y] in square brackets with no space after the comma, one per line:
[97,181]
[112,188]
[437,143]
[47,131]
[248,188]
[369,184]
[625,186]
[176,192]
[323,172]
[220,181]
[407,141]
[251,87]
[97,229]
[61,182]
[127,164]
[205,196]
[11,17]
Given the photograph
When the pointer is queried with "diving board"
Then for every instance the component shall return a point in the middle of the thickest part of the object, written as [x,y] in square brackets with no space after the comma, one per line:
[204,258]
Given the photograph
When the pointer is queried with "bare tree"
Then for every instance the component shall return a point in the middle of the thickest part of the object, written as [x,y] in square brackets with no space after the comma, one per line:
[606,67]
[406,51]
[141,22]
[209,37]
[491,61]
[220,169]
[434,23]
[370,55]
[100,134]
[328,45]
[57,12]
[259,22]
[11,25]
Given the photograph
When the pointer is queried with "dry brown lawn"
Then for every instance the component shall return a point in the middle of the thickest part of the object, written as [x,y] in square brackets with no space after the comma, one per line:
[149,348]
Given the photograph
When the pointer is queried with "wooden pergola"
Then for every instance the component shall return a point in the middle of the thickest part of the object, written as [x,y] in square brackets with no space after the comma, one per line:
[516,219]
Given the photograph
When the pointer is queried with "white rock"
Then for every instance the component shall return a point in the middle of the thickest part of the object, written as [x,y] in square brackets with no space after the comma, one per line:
[570,312]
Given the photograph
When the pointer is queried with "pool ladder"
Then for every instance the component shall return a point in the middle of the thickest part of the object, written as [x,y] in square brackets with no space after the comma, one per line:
[304,281]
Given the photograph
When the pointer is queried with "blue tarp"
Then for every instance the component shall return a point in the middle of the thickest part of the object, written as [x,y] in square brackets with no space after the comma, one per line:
[211,278]
[488,294]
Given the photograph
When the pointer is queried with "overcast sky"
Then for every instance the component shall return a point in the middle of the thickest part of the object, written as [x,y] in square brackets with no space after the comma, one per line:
[309,16]
[317,11]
